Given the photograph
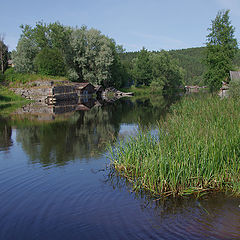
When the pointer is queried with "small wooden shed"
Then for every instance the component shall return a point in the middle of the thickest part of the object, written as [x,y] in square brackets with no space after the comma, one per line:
[234,75]
[85,89]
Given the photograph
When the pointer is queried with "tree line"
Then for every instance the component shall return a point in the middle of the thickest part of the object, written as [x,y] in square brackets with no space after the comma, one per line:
[87,55]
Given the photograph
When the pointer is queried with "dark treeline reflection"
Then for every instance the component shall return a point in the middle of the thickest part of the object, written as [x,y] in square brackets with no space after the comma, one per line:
[85,134]
[5,134]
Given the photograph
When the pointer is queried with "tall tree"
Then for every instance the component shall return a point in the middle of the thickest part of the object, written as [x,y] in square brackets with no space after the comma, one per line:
[166,74]
[220,51]
[92,55]
[142,69]
[3,55]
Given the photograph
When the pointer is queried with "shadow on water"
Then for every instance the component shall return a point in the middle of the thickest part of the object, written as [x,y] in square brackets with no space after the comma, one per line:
[214,216]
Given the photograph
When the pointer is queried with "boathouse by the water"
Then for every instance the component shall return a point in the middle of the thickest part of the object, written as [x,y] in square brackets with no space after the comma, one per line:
[84,89]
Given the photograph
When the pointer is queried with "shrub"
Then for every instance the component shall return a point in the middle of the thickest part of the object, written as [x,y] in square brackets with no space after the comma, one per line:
[50,62]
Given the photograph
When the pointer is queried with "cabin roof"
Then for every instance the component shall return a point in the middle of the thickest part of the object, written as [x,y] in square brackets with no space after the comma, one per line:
[235,75]
[99,88]
[83,85]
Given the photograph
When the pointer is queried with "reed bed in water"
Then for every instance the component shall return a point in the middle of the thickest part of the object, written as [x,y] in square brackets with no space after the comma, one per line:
[197,150]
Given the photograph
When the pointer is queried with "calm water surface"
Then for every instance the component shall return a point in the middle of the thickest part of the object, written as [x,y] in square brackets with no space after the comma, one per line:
[55,184]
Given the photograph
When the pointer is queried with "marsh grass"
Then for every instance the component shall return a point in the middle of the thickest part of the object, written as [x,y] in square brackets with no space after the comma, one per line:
[196,151]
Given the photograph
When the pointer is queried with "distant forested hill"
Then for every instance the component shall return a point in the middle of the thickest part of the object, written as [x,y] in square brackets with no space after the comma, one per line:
[190,59]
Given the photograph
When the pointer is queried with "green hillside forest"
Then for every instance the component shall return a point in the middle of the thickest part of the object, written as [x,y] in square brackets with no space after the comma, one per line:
[190,60]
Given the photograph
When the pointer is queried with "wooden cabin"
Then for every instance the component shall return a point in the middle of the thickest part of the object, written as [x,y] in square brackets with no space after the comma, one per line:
[84,89]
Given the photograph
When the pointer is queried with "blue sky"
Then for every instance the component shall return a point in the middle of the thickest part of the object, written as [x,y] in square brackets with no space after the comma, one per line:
[154,24]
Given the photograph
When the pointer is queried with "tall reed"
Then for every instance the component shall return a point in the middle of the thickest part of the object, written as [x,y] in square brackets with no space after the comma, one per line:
[197,150]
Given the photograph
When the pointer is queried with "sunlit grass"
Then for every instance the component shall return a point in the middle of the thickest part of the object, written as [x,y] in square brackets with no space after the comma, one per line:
[9,101]
[197,150]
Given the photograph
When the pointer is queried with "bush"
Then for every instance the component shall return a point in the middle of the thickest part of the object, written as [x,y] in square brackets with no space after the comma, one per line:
[50,62]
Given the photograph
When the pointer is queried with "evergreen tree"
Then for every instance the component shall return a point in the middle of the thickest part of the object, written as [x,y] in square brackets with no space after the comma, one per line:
[220,51]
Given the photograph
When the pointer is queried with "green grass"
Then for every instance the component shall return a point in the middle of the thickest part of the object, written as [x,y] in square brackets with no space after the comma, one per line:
[141,91]
[197,150]
[7,96]
[9,101]
[16,79]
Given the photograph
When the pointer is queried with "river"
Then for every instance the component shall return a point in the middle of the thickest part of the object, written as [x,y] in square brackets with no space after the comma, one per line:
[55,180]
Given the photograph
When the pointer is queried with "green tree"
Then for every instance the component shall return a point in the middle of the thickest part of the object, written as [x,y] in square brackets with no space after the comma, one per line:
[166,74]
[24,55]
[220,51]
[35,39]
[50,62]
[92,55]
[3,55]
[89,56]
[142,68]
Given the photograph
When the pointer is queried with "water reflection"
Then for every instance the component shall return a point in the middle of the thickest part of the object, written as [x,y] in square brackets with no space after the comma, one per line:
[5,134]
[61,133]
[84,135]
[78,201]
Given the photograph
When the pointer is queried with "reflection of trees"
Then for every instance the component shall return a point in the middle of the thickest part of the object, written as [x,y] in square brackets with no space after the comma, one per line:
[145,111]
[84,135]
[5,134]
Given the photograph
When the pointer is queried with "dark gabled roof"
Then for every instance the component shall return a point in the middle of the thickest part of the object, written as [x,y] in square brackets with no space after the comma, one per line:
[83,85]
[235,75]
[99,88]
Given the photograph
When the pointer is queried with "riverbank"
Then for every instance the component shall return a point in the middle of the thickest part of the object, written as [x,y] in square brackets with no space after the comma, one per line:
[9,101]
[196,150]
[142,91]
[9,97]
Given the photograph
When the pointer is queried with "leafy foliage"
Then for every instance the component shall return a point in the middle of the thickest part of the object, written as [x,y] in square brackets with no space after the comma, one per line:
[3,55]
[50,62]
[156,69]
[166,74]
[142,68]
[24,55]
[220,51]
[89,56]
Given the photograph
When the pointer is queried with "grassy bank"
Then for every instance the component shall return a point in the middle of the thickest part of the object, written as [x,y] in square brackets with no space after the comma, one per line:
[9,101]
[15,79]
[197,150]
[142,91]
[7,96]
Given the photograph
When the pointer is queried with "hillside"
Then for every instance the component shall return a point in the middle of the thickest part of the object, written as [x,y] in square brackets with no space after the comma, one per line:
[190,59]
